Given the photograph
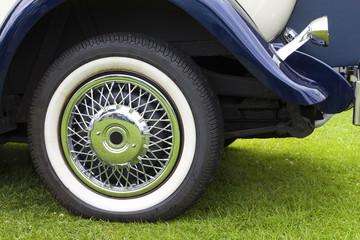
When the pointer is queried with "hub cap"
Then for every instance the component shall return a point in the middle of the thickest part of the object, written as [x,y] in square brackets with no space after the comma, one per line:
[120,135]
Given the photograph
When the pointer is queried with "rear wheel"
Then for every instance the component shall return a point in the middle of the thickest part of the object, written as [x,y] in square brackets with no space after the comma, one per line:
[125,128]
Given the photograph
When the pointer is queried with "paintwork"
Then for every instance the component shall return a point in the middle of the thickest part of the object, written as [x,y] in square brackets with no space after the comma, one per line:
[222,20]
[6,6]
[16,26]
[344,19]
[340,93]
[263,12]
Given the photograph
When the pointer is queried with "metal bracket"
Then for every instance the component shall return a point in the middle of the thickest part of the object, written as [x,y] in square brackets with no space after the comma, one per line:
[317,31]
[356,117]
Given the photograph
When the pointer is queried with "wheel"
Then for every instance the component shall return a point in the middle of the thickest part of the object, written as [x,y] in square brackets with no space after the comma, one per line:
[124,128]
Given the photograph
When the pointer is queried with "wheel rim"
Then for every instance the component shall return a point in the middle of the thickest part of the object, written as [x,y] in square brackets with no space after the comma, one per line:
[120,135]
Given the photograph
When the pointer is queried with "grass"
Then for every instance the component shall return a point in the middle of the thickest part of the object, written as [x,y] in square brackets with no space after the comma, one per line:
[264,189]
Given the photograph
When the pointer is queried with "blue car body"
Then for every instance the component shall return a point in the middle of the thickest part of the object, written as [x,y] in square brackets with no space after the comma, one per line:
[127,105]
[294,80]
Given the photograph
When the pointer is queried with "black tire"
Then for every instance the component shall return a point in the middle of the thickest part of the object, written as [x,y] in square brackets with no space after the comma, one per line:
[81,132]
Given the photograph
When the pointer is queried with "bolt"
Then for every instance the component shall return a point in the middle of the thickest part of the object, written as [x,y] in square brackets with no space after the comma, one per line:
[134,145]
[98,133]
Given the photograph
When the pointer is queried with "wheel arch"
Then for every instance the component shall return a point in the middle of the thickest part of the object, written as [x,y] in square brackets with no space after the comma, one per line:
[25,39]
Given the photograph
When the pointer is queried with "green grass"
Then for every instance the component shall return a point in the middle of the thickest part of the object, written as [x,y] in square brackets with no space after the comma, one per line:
[264,189]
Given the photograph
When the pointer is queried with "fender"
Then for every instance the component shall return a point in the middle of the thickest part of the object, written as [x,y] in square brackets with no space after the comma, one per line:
[330,93]
[224,22]
[20,20]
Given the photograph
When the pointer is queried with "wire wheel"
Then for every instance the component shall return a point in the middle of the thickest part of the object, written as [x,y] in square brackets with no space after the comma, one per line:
[125,128]
[120,135]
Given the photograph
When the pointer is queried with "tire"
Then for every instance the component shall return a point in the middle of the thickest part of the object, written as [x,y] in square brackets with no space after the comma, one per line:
[124,128]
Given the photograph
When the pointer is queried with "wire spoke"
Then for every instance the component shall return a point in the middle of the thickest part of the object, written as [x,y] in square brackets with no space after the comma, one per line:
[138,172]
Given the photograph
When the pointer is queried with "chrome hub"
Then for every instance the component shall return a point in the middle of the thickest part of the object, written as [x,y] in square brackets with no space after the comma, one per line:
[119,135]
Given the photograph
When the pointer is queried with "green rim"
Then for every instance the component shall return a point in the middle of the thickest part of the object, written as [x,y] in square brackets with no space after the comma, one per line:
[120,135]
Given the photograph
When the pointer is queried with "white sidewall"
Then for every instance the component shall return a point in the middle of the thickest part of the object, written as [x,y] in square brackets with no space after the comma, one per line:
[5,7]
[53,149]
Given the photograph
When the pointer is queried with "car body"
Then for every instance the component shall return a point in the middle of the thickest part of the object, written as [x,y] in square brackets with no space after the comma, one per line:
[232,46]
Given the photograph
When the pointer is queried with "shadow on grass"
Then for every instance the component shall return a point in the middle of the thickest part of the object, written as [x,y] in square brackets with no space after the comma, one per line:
[247,180]
[15,160]
[258,182]
[20,187]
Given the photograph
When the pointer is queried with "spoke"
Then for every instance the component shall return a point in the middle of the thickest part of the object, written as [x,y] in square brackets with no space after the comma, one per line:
[79,124]
[110,92]
[101,92]
[86,106]
[107,97]
[154,111]
[108,176]
[93,159]
[137,99]
[75,133]
[141,94]
[118,179]
[138,180]
[164,129]
[78,135]
[84,161]
[147,104]
[128,174]
[125,178]
[93,101]
[81,116]
[130,94]
[143,173]
[162,150]
[159,120]
[159,148]
[153,167]
[163,140]
[120,93]
[157,159]
[76,143]
[101,172]
[80,152]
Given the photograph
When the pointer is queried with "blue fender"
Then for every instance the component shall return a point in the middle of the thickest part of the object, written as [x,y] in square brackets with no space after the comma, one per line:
[225,23]
[21,19]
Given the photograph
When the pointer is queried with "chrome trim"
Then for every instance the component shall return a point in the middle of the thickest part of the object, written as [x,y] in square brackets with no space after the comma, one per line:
[356,112]
[317,31]
[120,135]
[288,35]
[320,123]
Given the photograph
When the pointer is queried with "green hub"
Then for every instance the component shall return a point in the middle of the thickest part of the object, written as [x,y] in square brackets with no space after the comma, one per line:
[119,136]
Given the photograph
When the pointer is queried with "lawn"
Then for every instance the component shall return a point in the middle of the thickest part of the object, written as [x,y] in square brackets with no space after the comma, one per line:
[264,189]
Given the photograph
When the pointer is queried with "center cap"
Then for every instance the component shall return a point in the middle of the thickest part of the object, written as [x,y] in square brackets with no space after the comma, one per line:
[119,135]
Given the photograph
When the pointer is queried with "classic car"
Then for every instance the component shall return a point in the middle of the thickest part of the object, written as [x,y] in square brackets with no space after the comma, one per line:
[127,105]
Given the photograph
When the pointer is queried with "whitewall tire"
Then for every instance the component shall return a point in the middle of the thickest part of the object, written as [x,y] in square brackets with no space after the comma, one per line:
[125,128]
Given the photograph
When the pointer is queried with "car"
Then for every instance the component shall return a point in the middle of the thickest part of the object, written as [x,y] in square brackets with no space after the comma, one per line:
[127,105]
